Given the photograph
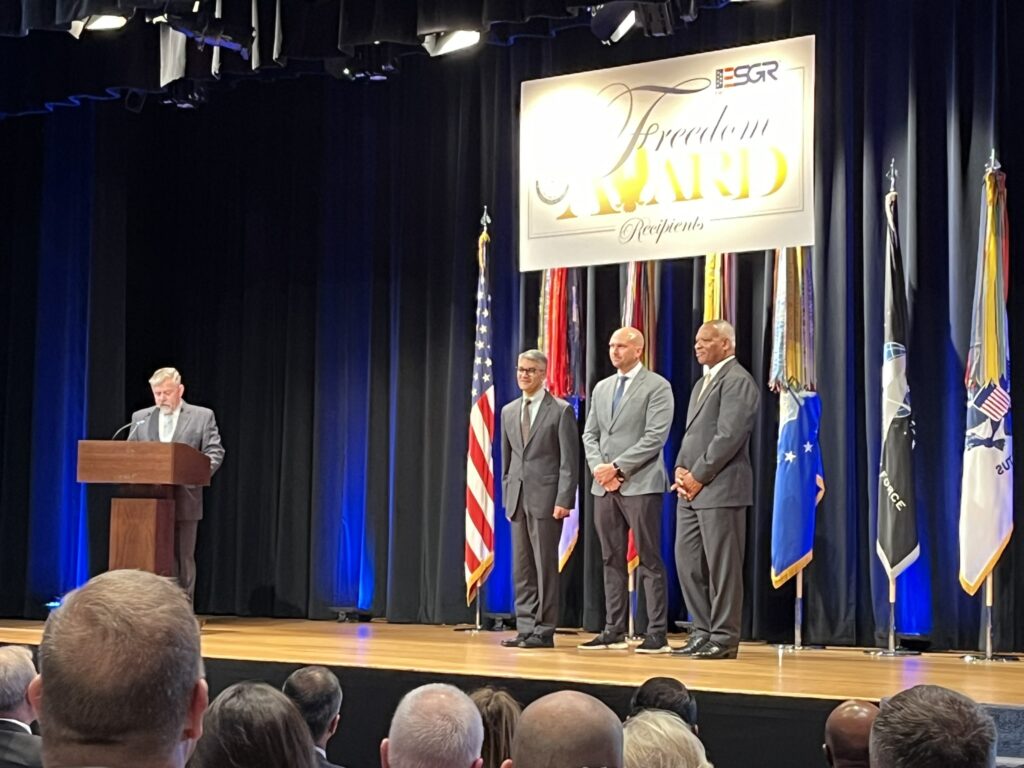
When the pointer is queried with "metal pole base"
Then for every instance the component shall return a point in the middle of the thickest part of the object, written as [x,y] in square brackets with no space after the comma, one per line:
[973,658]
[634,639]
[790,648]
[473,629]
[894,652]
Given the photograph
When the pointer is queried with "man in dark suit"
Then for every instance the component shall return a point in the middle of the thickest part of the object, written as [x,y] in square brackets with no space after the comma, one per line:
[539,469]
[628,423]
[19,747]
[714,483]
[175,421]
[316,693]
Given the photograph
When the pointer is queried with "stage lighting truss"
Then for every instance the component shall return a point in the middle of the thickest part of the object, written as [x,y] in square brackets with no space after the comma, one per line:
[197,21]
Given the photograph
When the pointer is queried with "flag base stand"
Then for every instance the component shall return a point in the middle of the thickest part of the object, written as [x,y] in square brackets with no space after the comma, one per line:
[989,656]
[479,627]
[893,651]
[797,646]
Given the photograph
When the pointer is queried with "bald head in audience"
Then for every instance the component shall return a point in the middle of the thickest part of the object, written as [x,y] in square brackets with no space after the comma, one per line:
[434,726]
[928,726]
[847,733]
[120,681]
[567,729]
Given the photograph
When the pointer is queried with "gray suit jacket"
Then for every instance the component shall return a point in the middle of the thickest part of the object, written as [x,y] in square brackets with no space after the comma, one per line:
[545,471]
[197,427]
[716,444]
[635,436]
[18,748]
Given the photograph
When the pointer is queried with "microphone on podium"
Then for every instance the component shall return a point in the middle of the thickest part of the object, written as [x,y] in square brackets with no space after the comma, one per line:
[134,425]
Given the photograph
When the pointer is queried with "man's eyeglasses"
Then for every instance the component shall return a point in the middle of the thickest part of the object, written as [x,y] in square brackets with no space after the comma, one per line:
[529,371]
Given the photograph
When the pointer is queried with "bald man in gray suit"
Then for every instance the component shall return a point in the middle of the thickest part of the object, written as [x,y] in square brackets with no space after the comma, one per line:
[539,470]
[627,425]
[714,483]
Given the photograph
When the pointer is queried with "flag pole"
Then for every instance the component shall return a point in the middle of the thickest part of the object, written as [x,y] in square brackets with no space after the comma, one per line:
[892,649]
[987,619]
[478,626]
[798,621]
[631,634]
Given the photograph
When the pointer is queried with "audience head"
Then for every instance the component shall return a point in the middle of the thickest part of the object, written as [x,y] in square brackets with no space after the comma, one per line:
[656,738]
[434,726]
[928,726]
[120,675]
[16,672]
[668,694]
[500,713]
[253,724]
[316,693]
[847,733]
[567,729]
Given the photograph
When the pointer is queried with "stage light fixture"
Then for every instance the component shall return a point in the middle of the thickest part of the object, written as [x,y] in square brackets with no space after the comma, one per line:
[98,23]
[448,42]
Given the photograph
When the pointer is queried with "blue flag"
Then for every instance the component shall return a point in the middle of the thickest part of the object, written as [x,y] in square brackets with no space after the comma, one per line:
[799,484]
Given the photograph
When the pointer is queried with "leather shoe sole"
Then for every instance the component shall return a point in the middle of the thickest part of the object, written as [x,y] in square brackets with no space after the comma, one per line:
[514,642]
[536,641]
[692,646]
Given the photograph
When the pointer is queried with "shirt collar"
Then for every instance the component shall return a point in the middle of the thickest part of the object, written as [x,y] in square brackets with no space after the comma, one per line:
[536,397]
[632,372]
[17,722]
[321,750]
[175,412]
[719,366]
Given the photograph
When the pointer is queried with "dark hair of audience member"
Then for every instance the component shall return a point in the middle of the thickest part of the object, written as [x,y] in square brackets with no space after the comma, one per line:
[317,694]
[500,713]
[929,726]
[253,724]
[668,694]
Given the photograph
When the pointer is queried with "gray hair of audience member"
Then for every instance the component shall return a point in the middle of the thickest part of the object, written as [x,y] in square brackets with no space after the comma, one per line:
[847,733]
[929,726]
[120,668]
[253,724]
[434,726]
[536,356]
[500,712]
[567,729]
[160,375]
[316,693]
[658,738]
[16,672]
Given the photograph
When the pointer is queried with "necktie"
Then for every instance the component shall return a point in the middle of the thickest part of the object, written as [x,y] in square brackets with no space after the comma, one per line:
[526,420]
[704,386]
[166,427]
[620,388]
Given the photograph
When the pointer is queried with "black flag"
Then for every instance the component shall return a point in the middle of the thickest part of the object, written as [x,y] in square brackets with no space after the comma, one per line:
[897,544]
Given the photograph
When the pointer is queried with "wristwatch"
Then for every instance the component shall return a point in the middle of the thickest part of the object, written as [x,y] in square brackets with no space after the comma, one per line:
[618,473]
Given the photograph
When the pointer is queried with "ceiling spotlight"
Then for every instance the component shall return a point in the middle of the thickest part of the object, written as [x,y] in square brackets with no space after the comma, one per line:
[611,22]
[446,42]
[99,22]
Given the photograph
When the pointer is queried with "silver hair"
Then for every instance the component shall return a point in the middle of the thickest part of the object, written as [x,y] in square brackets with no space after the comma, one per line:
[16,672]
[659,739]
[435,726]
[724,328]
[536,356]
[165,374]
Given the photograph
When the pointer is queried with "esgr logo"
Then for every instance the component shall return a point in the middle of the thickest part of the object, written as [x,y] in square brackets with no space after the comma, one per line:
[745,74]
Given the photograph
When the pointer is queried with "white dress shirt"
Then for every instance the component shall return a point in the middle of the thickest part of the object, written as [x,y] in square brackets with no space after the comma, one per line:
[168,423]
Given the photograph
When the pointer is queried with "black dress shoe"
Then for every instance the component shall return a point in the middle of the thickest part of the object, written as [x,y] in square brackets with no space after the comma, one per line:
[538,641]
[514,642]
[712,650]
[695,642]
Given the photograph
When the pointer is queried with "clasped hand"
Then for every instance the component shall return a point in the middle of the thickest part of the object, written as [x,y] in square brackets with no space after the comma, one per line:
[686,485]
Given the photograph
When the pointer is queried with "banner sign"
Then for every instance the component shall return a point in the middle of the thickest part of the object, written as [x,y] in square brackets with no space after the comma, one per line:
[672,158]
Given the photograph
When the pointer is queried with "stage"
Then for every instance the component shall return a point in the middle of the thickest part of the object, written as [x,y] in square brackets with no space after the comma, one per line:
[766,696]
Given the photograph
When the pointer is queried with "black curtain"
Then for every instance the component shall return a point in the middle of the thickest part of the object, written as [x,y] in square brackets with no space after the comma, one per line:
[304,251]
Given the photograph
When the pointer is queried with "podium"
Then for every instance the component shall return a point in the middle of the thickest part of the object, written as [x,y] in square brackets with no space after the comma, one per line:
[142,515]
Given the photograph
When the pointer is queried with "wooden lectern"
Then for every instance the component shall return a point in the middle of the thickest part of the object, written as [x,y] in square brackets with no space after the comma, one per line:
[142,517]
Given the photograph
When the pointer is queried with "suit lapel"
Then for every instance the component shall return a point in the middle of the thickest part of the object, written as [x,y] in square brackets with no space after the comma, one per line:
[542,411]
[715,383]
[513,426]
[183,418]
[153,427]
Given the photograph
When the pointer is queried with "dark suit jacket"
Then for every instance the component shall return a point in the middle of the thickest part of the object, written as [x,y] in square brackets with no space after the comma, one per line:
[716,444]
[197,427]
[543,472]
[19,749]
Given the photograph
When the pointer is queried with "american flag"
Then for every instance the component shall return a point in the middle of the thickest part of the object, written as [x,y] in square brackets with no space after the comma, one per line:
[480,460]
[993,401]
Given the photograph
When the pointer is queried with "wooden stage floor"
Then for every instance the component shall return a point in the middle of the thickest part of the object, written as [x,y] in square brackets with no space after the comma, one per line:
[835,673]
